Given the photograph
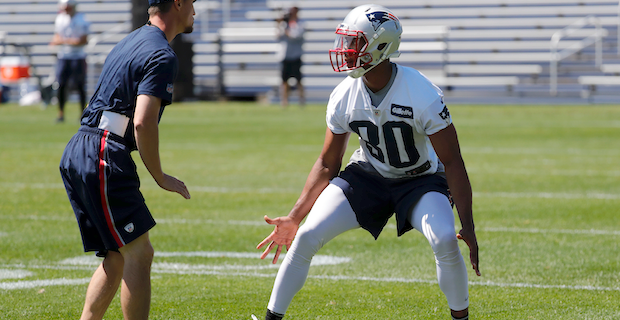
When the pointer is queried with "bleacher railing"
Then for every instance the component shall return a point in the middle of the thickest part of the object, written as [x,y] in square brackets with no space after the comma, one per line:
[596,38]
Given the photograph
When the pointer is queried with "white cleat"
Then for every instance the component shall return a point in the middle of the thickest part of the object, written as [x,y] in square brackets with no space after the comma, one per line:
[254,317]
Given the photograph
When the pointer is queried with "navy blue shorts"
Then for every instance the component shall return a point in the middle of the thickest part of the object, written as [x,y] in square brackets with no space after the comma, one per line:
[291,69]
[375,199]
[104,190]
[71,71]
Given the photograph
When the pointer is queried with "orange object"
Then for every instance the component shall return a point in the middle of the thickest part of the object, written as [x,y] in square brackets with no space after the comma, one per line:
[14,68]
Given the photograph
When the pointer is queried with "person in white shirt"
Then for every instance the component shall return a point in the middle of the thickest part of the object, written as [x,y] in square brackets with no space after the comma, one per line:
[71,35]
[291,37]
[408,164]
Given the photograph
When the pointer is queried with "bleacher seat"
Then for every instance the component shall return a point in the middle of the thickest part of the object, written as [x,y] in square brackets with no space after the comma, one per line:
[473,47]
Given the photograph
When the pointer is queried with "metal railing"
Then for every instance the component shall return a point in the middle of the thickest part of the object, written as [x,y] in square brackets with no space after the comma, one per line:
[595,38]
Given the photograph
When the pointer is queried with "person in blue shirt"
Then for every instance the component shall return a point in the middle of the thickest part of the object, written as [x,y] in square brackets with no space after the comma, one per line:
[100,177]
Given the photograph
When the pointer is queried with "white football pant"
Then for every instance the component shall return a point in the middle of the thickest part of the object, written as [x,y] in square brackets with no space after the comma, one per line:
[332,215]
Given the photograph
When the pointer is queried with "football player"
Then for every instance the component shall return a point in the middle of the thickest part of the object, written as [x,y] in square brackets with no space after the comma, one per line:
[97,168]
[408,164]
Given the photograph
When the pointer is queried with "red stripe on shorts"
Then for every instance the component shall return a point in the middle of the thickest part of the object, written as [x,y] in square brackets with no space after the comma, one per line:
[103,190]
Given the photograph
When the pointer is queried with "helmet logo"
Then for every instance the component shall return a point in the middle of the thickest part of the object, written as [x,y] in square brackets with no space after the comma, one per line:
[379,17]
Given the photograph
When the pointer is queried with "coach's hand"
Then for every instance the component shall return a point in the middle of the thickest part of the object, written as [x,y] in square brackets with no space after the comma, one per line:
[469,236]
[173,184]
[282,235]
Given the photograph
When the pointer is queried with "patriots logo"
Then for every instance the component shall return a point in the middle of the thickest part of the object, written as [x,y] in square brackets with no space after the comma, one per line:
[378,18]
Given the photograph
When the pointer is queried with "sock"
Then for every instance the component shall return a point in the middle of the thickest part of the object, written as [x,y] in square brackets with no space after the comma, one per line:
[464,318]
[273,316]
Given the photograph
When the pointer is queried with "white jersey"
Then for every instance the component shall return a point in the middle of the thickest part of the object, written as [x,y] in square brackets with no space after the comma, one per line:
[71,27]
[393,136]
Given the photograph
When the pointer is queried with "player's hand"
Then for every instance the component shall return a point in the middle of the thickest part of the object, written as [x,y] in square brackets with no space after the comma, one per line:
[173,184]
[469,236]
[282,235]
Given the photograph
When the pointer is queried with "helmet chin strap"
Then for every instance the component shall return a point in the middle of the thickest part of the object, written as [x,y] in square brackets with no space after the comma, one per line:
[358,72]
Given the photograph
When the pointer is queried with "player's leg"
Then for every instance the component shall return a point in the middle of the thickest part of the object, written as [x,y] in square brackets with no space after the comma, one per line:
[103,286]
[106,279]
[136,284]
[80,81]
[330,216]
[433,217]
[285,88]
[61,77]
[300,87]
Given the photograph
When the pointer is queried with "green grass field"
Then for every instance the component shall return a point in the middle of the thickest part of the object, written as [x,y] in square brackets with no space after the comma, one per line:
[546,186]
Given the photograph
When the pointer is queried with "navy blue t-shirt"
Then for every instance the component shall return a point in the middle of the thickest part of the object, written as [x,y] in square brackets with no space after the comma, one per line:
[141,63]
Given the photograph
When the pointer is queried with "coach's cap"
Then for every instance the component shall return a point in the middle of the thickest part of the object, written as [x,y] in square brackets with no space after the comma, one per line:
[67,3]
[154,2]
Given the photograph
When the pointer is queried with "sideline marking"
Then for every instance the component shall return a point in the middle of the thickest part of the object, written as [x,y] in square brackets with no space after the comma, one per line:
[42,283]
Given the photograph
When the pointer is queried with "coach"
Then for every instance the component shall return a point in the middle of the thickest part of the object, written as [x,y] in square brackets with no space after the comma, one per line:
[135,85]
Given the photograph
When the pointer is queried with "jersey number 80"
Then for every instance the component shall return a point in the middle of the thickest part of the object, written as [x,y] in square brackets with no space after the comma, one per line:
[398,137]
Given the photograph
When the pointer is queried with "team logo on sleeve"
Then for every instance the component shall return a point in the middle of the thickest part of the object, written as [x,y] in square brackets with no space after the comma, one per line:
[445,114]
[402,111]
[169,88]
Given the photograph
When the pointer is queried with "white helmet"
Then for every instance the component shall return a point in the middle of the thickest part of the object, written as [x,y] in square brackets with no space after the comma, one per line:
[368,35]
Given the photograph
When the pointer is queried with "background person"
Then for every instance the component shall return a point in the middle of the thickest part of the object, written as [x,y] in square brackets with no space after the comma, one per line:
[409,157]
[70,33]
[291,37]
[100,177]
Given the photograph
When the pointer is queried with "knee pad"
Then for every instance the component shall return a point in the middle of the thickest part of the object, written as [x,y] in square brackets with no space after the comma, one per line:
[306,244]
[446,248]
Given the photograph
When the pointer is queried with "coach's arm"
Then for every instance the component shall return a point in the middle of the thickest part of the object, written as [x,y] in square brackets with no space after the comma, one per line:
[146,130]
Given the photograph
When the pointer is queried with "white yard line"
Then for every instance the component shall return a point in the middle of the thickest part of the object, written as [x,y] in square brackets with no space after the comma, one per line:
[212,189]
[88,262]
[185,270]
[545,231]
[549,195]
[261,223]
[42,283]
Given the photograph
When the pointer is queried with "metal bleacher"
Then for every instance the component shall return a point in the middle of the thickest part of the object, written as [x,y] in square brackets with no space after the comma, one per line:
[28,28]
[477,48]
[473,49]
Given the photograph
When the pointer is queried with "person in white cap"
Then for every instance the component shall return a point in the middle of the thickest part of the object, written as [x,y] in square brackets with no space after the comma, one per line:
[71,35]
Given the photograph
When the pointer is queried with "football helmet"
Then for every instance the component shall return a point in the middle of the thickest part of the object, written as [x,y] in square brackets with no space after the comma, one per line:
[368,35]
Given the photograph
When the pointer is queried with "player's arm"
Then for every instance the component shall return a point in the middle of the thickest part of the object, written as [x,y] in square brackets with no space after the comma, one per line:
[80,41]
[56,39]
[445,142]
[324,169]
[146,118]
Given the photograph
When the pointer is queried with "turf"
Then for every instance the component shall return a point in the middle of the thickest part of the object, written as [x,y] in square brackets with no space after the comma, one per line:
[546,194]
